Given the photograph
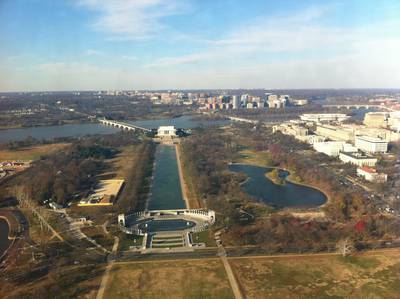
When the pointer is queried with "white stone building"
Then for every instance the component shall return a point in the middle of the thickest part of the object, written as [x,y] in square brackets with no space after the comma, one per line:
[166,131]
[372,175]
[324,117]
[330,148]
[358,159]
[372,145]
[336,133]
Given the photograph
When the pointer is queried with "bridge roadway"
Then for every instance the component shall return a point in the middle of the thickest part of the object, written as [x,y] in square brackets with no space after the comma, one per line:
[122,125]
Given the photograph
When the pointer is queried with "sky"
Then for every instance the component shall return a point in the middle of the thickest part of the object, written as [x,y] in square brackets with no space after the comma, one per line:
[59,45]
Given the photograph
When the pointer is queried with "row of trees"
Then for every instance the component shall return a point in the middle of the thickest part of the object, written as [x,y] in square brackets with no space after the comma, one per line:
[205,155]
[134,194]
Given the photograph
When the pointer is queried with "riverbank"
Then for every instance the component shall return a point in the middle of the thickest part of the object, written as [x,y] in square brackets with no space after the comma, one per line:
[49,124]
[275,178]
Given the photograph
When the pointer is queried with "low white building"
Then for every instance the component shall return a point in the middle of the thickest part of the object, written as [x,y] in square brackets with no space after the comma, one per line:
[372,175]
[358,159]
[371,145]
[324,117]
[291,129]
[330,148]
[311,139]
[337,133]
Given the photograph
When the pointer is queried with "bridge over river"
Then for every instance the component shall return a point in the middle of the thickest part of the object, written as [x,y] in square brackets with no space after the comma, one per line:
[358,106]
[122,125]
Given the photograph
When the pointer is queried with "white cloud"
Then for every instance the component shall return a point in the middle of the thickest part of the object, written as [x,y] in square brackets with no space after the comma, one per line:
[129,57]
[297,51]
[133,19]
[92,52]
[172,61]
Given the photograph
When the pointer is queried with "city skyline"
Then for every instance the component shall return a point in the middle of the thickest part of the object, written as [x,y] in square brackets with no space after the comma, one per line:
[164,44]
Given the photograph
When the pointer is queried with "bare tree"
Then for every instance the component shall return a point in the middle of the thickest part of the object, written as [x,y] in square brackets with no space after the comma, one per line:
[345,247]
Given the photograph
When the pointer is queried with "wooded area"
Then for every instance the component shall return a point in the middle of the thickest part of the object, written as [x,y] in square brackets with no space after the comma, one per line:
[72,173]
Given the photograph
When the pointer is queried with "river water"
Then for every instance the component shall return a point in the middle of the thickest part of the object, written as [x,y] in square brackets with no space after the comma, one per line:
[4,241]
[358,114]
[182,122]
[281,196]
[78,130]
[166,192]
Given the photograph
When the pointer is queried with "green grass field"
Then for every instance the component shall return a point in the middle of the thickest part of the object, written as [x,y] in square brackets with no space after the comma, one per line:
[253,157]
[31,153]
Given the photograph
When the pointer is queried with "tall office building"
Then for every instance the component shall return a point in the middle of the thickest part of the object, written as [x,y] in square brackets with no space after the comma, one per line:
[236,102]
[244,98]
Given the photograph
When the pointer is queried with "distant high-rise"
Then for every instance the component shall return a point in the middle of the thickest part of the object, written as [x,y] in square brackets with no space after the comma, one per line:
[236,102]
[275,102]
[244,98]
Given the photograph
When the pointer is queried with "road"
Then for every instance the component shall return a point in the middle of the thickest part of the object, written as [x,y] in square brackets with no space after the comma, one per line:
[272,256]
[358,184]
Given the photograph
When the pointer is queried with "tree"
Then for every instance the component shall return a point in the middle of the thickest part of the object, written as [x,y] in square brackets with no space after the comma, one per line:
[345,247]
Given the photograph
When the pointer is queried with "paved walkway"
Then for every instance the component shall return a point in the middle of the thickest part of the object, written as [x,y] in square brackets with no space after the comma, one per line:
[228,269]
[231,277]
[182,180]
[371,252]
[25,203]
[106,275]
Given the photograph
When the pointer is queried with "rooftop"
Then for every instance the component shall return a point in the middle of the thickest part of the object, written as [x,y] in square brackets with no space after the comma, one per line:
[166,128]
[368,169]
[357,155]
[371,139]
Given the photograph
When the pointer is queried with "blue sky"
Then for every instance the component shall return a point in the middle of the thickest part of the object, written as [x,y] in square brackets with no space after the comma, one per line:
[172,44]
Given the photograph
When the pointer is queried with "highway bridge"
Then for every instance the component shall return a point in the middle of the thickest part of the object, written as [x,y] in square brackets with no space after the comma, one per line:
[358,106]
[122,125]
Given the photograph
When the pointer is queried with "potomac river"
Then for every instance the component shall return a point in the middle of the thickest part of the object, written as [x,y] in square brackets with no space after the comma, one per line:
[79,130]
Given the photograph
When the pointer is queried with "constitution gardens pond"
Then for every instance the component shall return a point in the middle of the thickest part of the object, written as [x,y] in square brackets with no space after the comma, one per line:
[286,195]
